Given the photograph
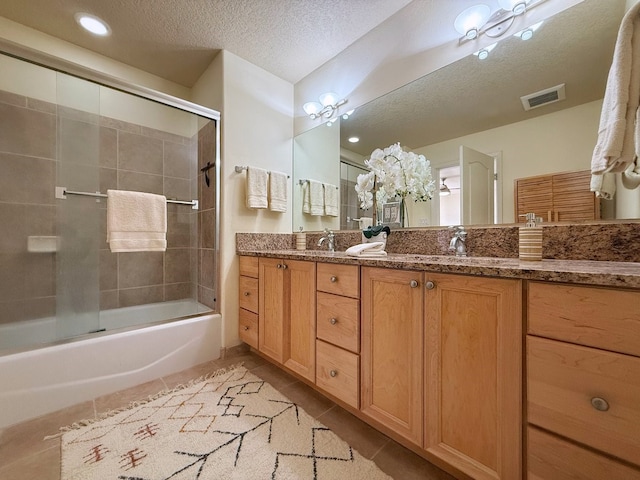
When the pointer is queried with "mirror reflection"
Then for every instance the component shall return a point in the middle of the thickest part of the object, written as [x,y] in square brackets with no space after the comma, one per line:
[469,120]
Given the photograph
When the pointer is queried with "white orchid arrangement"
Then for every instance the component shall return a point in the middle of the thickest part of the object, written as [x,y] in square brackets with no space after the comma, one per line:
[395,173]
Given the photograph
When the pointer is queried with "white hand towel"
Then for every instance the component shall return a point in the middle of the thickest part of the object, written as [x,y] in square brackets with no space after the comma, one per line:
[136,221]
[631,176]
[278,192]
[306,199]
[257,187]
[373,249]
[330,200]
[604,185]
[316,198]
[615,147]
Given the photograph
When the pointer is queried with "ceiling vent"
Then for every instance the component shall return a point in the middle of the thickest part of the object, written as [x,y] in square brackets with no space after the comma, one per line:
[543,97]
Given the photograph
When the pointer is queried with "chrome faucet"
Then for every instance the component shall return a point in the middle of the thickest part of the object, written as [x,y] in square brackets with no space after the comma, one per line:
[457,243]
[331,238]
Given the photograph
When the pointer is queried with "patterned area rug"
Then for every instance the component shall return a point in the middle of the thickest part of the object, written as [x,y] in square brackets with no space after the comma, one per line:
[230,426]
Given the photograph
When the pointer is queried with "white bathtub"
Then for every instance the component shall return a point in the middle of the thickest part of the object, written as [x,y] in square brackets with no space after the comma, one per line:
[46,379]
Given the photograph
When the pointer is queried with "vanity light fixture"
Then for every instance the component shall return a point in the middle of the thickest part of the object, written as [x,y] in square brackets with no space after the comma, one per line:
[327,105]
[483,53]
[93,24]
[444,190]
[528,32]
[478,20]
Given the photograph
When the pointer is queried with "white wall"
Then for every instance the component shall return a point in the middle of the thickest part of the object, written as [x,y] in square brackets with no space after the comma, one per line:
[558,142]
[257,129]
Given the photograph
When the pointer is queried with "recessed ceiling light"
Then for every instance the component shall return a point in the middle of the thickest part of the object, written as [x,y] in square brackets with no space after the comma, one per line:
[93,24]
[354,139]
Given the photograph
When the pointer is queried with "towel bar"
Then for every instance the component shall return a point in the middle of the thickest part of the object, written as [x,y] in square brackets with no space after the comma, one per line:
[62,192]
[242,168]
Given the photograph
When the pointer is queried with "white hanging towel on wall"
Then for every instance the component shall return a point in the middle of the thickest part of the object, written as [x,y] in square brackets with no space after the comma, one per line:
[257,187]
[330,200]
[278,192]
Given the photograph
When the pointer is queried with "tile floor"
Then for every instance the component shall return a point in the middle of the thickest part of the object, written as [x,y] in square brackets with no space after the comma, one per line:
[24,455]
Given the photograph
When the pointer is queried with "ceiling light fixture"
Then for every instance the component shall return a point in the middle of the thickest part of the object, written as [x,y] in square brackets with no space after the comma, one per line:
[327,105]
[93,24]
[354,139]
[478,20]
[444,190]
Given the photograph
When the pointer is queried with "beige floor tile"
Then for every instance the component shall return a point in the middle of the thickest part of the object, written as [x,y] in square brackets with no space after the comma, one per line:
[273,375]
[123,398]
[27,438]
[44,465]
[365,439]
[311,401]
[403,464]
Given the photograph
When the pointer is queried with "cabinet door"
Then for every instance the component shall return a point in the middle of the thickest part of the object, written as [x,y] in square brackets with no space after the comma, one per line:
[573,199]
[473,386]
[272,308]
[300,321]
[391,350]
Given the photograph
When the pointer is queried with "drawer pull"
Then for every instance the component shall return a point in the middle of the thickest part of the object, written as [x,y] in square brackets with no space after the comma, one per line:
[333,373]
[333,321]
[334,279]
[430,285]
[600,404]
[413,283]
[246,294]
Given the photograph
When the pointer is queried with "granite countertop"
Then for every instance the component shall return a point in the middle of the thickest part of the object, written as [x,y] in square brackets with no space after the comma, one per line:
[615,274]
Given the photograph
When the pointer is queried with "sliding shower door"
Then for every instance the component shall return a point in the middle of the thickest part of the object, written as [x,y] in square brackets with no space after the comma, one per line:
[78,218]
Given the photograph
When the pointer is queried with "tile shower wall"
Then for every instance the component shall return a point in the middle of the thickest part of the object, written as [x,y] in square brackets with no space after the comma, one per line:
[131,157]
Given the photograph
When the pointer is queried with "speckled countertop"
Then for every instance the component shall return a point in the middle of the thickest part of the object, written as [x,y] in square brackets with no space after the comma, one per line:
[615,274]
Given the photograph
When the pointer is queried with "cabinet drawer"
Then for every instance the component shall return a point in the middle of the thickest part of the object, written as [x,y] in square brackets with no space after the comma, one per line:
[249,293]
[337,372]
[597,317]
[338,321]
[552,458]
[248,328]
[339,279]
[562,382]
[249,266]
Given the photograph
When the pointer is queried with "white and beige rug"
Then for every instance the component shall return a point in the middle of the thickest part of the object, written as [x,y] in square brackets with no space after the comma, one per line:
[230,426]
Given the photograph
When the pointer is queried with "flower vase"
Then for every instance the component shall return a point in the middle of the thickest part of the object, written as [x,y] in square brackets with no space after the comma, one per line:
[404,213]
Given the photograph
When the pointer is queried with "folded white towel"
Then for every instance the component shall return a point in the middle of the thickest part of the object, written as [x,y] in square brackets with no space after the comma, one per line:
[257,187]
[278,192]
[331,200]
[373,249]
[604,185]
[615,147]
[631,176]
[306,199]
[316,198]
[136,221]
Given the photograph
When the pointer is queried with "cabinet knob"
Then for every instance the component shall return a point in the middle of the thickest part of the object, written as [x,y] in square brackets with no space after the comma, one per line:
[245,328]
[246,294]
[333,321]
[333,373]
[279,265]
[413,283]
[430,285]
[600,404]
[334,279]
[284,266]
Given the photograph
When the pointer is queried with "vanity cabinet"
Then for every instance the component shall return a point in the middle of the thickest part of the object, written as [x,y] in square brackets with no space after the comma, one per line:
[287,313]
[248,301]
[561,197]
[583,382]
[449,346]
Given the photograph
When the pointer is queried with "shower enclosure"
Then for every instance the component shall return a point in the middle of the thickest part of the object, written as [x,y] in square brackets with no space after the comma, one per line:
[61,134]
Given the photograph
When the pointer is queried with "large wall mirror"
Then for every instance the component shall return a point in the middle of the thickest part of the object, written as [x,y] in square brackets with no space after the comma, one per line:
[474,107]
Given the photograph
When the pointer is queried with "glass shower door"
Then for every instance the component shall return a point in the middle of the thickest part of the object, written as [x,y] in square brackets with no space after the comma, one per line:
[78,217]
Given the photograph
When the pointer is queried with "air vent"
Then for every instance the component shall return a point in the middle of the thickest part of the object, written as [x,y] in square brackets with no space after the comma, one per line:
[543,97]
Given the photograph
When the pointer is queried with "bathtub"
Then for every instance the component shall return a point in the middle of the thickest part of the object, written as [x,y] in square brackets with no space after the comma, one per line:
[49,378]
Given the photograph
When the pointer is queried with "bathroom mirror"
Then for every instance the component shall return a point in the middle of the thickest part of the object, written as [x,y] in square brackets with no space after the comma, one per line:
[476,103]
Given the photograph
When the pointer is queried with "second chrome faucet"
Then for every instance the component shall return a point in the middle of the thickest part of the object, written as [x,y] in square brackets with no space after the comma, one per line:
[330,238]
[458,240]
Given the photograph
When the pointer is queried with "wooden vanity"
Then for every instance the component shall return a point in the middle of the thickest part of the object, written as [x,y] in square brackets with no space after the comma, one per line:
[489,368]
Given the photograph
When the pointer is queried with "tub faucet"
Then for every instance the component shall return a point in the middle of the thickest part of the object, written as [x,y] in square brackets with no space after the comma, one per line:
[457,243]
[331,238]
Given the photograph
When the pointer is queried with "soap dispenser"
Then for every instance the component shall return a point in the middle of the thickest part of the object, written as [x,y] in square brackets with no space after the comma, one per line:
[531,239]
[301,240]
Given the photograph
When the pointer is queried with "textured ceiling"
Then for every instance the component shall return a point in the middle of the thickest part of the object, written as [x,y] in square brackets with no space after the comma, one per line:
[177,39]
[575,47]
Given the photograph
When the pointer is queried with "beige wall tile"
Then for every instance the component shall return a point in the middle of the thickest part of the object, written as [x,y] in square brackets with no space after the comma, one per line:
[177,189]
[178,160]
[177,291]
[26,179]
[138,153]
[140,296]
[140,182]
[27,132]
[108,147]
[108,299]
[78,142]
[136,269]
[207,268]
[177,263]
[108,270]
